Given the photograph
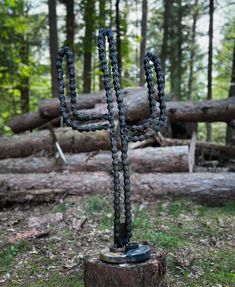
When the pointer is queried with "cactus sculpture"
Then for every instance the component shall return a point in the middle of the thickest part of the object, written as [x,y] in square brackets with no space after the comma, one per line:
[123,250]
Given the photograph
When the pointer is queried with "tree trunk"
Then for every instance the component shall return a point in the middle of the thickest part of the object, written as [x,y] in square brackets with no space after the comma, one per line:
[192,51]
[70,23]
[150,273]
[43,141]
[210,62]
[164,51]
[51,108]
[179,49]
[230,130]
[137,109]
[143,40]
[175,48]
[118,36]
[207,188]
[102,18]
[89,19]
[166,159]
[24,81]
[53,39]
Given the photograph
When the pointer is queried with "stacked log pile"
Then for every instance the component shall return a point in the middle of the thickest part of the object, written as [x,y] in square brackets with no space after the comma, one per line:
[47,163]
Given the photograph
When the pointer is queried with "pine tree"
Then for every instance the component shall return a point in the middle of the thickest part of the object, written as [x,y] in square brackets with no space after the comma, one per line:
[143,40]
[53,39]
[210,58]
[89,20]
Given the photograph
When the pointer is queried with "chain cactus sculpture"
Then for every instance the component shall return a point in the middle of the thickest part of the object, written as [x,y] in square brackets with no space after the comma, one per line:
[123,250]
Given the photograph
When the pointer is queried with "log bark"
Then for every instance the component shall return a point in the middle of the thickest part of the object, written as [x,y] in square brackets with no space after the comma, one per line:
[206,111]
[150,273]
[26,122]
[204,150]
[42,141]
[137,109]
[166,159]
[209,188]
[51,108]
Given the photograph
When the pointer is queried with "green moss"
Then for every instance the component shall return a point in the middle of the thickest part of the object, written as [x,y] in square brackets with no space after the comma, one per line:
[96,204]
[8,255]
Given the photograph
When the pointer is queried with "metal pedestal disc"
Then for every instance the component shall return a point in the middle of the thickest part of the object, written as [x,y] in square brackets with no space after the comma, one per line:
[139,254]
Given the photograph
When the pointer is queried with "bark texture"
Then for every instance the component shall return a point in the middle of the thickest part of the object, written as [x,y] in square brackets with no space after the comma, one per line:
[143,40]
[150,273]
[210,63]
[230,132]
[204,150]
[209,188]
[53,44]
[206,111]
[166,159]
[136,107]
[43,141]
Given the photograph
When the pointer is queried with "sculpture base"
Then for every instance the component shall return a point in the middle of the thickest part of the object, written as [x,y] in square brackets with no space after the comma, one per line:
[142,253]
[149,273]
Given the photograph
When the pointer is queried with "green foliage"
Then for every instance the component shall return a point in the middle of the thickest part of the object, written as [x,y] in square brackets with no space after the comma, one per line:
[17,31]
[23,24]
[223,62]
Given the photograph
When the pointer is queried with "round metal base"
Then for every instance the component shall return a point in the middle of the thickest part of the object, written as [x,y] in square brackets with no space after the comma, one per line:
[141,253]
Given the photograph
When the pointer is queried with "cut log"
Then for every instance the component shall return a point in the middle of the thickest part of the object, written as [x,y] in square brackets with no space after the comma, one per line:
[166,159]
[51,108]
[204,150]
[137,108]
[26,122]
[150,273]
[210,188]
[42,141]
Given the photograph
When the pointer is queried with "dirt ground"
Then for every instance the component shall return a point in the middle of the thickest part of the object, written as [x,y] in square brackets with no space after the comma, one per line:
[44,244]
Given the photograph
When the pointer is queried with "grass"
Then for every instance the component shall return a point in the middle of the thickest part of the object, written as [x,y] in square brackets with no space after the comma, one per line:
[198,240]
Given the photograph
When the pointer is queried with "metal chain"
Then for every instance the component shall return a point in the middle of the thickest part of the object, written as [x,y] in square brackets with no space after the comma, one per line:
[153,123]
[123,133]
[128,133]
[74,124]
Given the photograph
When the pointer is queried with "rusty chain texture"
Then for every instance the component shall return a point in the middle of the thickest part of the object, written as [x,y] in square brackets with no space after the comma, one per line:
[127,133]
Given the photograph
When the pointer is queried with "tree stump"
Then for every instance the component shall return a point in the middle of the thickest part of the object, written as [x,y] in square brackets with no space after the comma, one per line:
[150,273]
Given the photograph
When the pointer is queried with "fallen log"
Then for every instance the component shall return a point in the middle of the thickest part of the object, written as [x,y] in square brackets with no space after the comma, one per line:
[137,109]
[43,141]
[26,122]
[166,159]
[51,108]
[204,150]
[210,188]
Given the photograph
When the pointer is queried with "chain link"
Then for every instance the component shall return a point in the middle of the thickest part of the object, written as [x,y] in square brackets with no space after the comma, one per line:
[128,133]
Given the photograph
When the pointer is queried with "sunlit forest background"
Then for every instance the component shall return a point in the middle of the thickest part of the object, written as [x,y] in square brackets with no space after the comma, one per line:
[178,31]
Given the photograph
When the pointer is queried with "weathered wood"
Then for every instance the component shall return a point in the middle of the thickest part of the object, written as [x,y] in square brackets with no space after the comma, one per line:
[51,108]
[27,121]
[210,188]
[150,273]
[137,109]
[41,141]
[166,159]
[204,150]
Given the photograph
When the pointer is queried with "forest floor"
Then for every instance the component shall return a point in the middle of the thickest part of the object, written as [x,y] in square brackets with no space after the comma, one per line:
[43,245]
